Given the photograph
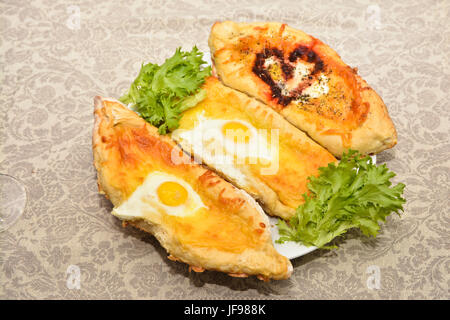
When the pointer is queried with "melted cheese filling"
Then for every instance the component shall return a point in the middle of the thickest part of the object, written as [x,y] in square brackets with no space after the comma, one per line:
[318,88]
[166,199]
[301,72]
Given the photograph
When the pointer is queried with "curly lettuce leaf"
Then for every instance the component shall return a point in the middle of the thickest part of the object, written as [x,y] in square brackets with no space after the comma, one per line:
[356,193]
[161,93]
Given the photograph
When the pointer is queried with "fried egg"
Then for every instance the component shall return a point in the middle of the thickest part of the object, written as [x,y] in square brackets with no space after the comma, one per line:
[301,70]
[231,139]
[226,144]
[161,193]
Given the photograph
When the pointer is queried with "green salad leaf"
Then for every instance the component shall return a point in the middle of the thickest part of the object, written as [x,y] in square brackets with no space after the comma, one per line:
[160,93]
[356,193]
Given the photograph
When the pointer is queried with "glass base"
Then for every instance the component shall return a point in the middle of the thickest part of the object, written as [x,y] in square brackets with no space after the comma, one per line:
[13,199]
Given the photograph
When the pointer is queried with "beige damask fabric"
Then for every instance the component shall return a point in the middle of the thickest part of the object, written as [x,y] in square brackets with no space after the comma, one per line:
[56,56]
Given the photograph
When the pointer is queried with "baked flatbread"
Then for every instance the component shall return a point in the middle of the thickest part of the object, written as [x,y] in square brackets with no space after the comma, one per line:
[198,217]
[267,156]
[305,81]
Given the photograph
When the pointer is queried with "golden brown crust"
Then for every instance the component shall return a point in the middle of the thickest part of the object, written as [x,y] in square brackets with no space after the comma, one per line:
[126,148]
[367,127]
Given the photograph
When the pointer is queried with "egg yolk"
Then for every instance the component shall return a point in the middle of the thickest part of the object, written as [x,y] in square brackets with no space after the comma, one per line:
[236,131]
[172,194]
[275,71]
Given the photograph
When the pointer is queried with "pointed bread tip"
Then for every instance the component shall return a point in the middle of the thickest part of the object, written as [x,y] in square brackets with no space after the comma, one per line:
[98,102]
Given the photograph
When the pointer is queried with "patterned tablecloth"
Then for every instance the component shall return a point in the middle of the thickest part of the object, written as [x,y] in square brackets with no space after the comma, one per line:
[56,56]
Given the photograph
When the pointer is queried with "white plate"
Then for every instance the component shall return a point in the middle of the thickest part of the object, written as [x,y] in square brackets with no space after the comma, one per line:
[289,249]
